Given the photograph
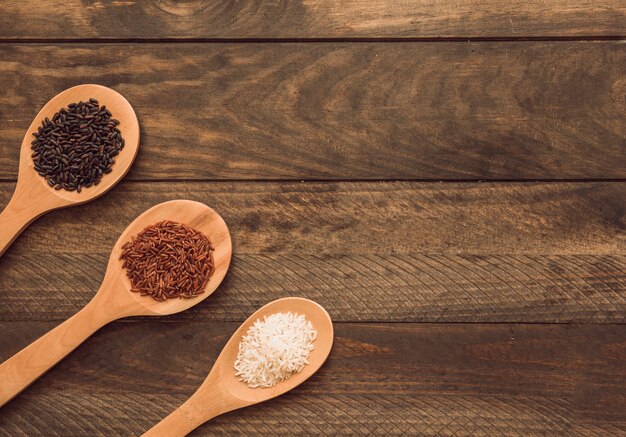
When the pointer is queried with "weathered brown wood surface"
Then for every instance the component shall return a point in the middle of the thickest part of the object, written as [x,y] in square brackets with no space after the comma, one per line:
[156,19]
[319,130]
[500,379]
[489,252]
[486,110]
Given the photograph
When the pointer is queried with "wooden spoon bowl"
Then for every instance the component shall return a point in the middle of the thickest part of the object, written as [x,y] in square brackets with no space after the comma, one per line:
[116,285]
[33,197]
[115,299]
[221,391]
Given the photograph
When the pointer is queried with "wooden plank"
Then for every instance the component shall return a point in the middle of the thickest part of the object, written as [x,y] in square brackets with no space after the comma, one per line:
[385,378]
[368,251]
[311,19]
[507,110]
[398,288]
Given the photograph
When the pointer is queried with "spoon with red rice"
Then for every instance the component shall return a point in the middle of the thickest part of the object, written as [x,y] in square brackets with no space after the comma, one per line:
[202,260]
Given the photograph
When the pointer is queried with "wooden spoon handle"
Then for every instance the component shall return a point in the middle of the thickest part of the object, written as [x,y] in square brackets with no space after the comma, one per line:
[23,368]
[178,424]
[201,407]
[13,220]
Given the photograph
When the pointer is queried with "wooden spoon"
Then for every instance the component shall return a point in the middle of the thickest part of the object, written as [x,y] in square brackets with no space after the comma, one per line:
[222,392]
[33,197]
[114,300]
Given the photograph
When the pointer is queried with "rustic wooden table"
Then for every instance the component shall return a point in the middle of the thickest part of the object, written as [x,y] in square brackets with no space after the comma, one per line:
[447,178]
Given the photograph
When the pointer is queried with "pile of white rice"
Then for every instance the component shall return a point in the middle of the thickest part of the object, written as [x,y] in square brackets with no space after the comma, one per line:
[274,348]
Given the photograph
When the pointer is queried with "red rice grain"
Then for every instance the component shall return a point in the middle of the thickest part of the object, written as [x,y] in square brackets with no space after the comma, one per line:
[168,260]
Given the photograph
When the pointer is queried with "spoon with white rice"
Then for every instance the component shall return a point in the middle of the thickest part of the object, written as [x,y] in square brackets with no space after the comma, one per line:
[278,348]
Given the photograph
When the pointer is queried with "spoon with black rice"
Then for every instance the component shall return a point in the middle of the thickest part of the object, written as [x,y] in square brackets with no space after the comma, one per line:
[82,142]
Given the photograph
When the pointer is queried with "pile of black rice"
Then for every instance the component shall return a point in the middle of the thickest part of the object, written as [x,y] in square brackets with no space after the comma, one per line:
[78,146]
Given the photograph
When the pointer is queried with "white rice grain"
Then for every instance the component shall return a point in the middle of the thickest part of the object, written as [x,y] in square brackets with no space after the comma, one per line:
[273,349]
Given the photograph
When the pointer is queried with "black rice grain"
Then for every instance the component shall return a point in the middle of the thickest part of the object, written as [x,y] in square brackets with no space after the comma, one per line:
[77,147]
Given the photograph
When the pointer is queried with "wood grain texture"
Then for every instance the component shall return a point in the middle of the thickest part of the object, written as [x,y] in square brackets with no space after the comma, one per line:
[508,110]
[394,288]
[480,252]
[310,19]
[385,379]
